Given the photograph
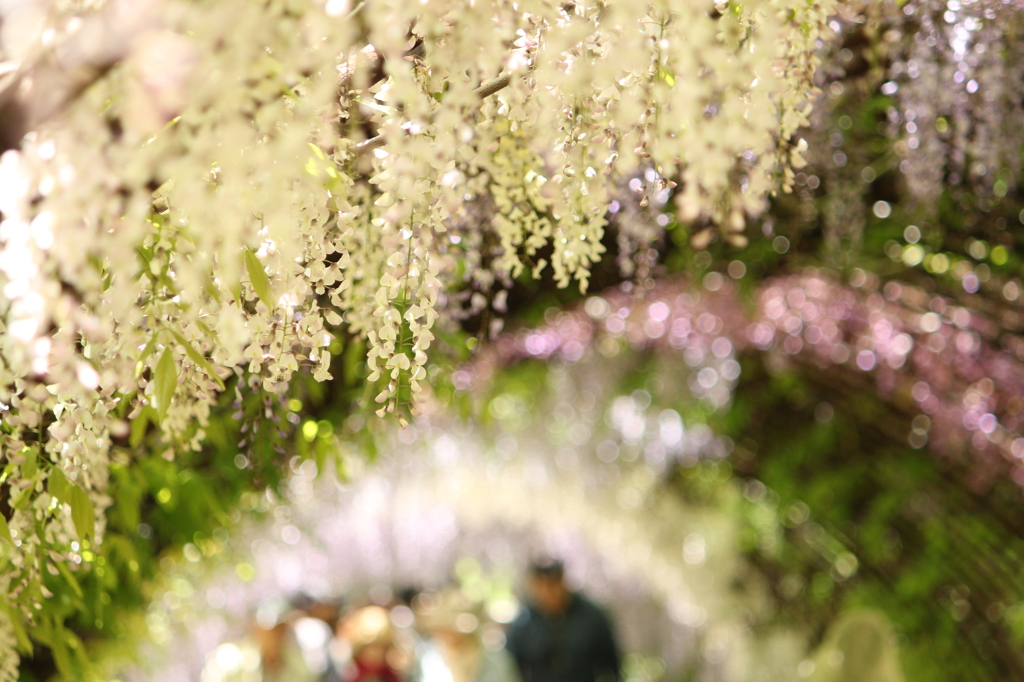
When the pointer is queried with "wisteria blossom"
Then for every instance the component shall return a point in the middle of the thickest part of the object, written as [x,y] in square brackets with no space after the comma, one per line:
[196,194]
[958,381]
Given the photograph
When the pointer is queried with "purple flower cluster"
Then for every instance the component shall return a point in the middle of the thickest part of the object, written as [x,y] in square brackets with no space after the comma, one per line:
[951,373]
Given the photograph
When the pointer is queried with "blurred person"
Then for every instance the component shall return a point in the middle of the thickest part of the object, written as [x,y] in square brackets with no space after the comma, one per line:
[314,621]
[237,661]
[366,647]
[281,655]
[453,650]
[325,608]
[560,635]
[269,653]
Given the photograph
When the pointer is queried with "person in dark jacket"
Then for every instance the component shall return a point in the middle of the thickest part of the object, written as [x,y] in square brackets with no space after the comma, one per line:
[561,636]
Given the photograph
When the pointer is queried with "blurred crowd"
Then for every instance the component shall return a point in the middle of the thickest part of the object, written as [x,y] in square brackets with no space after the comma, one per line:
[425,636]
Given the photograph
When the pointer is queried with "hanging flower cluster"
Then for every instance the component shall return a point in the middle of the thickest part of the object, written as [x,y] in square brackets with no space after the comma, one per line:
[955,107]
[953,372]
[210,198]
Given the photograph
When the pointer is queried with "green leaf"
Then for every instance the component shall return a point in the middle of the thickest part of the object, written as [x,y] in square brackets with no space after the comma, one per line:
[198,358]
[5,530]
[22,499]
[56,635]
[8,470]
[144,355]
[72,580]
[211,290]
[82,513]
[355,363]
[165,382]
[127,493]
[24,643]
[318,152]
[258,278]
[58,486]
[205,327]
[29,463]
[139,425]
[146,255]
[236,291]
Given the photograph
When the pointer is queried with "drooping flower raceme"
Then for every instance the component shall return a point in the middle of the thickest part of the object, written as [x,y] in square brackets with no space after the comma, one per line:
[250,175]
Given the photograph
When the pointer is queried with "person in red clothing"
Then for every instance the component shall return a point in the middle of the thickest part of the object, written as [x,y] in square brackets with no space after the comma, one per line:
[369,634]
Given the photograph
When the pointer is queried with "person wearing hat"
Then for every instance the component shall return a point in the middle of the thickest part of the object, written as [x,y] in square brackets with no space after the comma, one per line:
[369,635]
[561,636]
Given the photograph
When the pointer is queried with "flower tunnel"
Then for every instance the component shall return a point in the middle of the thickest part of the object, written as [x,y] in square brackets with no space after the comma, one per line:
[730,535]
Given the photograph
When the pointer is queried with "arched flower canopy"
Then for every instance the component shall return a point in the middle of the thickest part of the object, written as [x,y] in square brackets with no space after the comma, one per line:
[202,205]
[467,501]
[606,452]
[955,379]
[195,195]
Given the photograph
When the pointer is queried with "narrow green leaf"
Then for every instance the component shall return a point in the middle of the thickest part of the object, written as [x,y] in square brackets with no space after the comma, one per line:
[146,255]
[167,283]
[198,358]
[125,511]
[58,647]
[317,152]
[139,425]
[24,643]
[5,530]
[29,462]
[121,550]
[82,513]
[70,577]
[8,470]
[22,499]
[165,382]
[258,278]
[211,290]
[355,362]
[58,487]
[146,352]
[205,327]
